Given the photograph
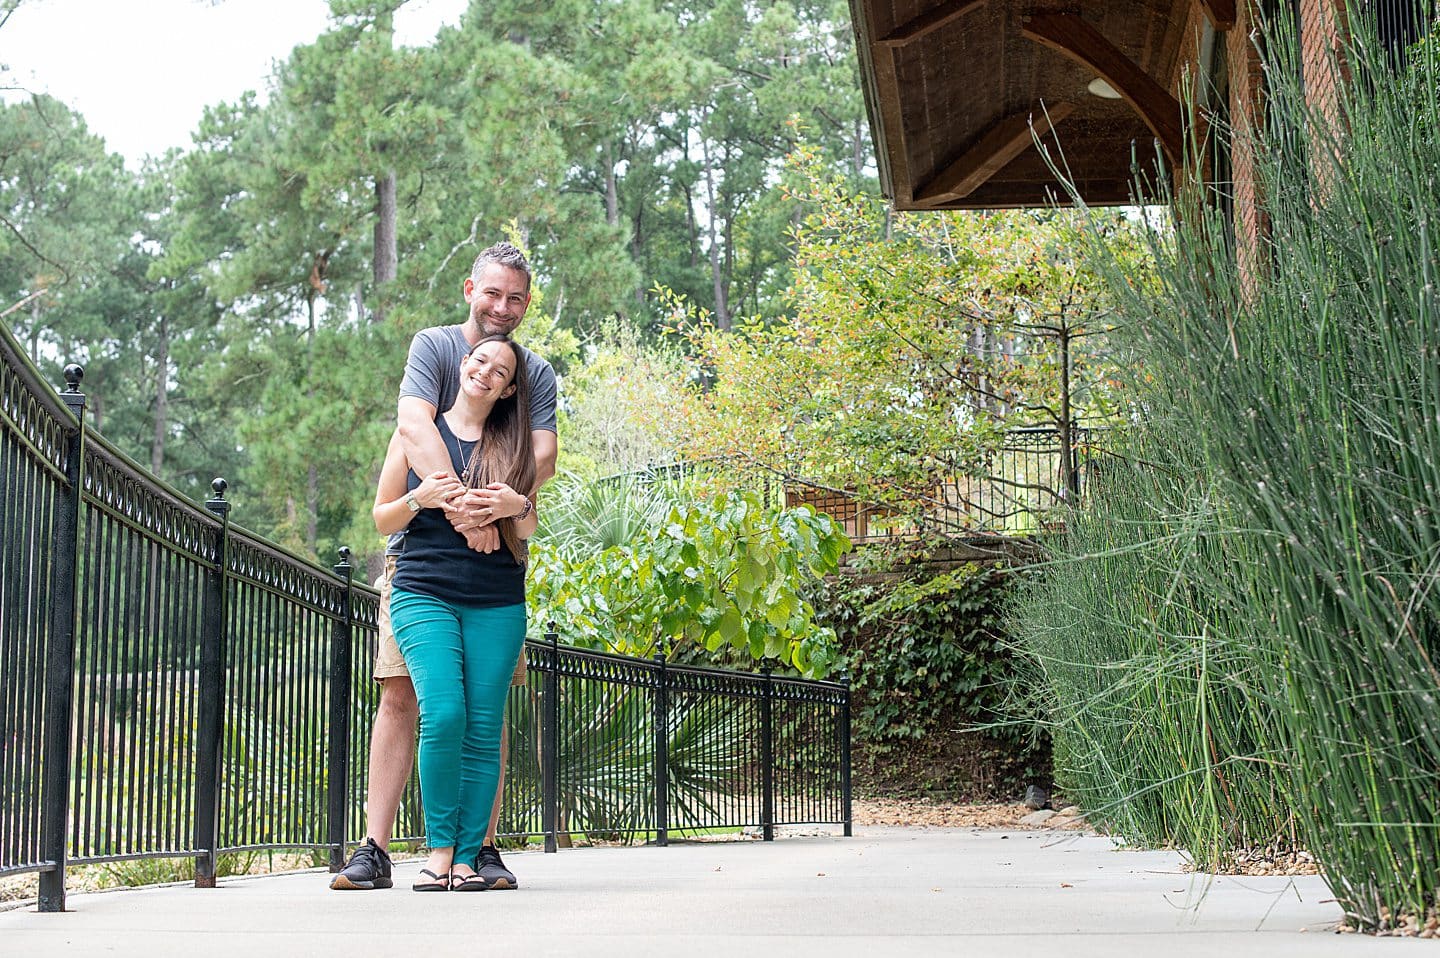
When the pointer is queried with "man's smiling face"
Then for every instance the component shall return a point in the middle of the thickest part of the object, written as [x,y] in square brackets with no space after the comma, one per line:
[498,299]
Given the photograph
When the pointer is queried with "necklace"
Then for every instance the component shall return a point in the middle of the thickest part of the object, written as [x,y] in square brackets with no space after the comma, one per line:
[469,463]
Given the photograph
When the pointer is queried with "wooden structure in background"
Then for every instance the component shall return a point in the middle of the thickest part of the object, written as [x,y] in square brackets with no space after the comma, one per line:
[950,86]
[954,88]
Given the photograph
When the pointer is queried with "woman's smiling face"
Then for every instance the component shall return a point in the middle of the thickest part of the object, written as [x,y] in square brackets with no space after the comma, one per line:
[488,372]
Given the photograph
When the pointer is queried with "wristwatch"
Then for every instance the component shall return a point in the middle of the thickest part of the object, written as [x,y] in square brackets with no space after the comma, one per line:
[526,510]
[412,502]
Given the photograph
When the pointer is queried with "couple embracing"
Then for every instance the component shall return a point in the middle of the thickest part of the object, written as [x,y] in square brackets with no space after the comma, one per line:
[475,441]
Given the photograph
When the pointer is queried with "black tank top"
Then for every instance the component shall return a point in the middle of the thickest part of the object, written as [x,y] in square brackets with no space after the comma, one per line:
[437,562]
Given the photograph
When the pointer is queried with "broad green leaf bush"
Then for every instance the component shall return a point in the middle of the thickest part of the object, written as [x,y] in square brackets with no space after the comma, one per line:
[723,573]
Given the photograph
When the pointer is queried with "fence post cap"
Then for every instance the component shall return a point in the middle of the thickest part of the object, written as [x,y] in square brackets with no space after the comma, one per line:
[74,372]
[217,503]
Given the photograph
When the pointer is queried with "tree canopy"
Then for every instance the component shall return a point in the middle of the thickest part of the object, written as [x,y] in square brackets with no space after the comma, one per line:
[911,343]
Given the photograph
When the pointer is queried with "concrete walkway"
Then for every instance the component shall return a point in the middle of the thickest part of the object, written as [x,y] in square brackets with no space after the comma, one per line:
[886,891]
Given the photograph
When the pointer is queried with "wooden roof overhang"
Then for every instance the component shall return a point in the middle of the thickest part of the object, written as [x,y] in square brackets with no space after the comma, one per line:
[953,87]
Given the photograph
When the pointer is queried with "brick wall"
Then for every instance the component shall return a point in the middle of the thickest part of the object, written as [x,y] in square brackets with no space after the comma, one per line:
[1323,26]
[1246,108]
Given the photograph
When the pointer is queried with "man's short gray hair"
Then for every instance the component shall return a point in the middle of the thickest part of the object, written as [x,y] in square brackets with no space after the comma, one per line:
[503,254]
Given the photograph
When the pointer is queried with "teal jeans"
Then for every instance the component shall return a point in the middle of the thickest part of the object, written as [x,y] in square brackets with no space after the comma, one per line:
[460,659]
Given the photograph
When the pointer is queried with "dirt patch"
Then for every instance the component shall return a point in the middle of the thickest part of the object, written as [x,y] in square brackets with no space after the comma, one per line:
[926,813]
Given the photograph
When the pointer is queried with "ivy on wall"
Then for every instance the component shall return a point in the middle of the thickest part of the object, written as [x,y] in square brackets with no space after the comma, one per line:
[924,645]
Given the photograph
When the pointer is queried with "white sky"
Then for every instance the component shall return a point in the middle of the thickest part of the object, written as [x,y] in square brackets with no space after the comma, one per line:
[141,72]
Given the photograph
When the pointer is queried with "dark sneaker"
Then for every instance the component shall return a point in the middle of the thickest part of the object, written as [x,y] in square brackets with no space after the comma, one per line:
[368,867]
[493,871]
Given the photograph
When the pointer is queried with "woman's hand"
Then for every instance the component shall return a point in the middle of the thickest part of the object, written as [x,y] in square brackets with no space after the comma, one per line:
[436,489]
[495,501]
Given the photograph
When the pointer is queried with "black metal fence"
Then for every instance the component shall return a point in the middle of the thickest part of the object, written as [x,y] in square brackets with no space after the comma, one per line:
[647,749]
[1033,472]
[1026,479]
[174,686]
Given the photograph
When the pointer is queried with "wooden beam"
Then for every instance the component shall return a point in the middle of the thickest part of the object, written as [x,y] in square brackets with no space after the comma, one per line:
[932,20]
[1074,37]
[994,150]
[892,121]
[1220,12]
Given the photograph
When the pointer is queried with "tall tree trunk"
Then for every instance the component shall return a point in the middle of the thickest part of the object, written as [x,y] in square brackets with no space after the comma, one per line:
[727,267]
[312,477]
[1069,474]
[637,251]
[612,191]
[35,329]
[387,255]
[722,312]
[312,507]
[162,382]
[693,225]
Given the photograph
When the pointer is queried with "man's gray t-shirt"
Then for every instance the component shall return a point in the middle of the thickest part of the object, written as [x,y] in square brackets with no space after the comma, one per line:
[432,373]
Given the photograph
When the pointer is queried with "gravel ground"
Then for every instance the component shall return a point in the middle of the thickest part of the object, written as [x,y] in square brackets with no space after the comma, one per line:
[927,814]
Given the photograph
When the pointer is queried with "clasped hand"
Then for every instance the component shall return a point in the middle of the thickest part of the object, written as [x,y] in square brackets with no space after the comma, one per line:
[472,512]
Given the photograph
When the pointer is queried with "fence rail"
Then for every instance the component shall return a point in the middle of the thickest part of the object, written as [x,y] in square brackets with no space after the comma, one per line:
[1026,478]
[172,685]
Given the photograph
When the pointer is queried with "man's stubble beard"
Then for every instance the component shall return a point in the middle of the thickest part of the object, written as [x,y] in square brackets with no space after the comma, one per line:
[483,322]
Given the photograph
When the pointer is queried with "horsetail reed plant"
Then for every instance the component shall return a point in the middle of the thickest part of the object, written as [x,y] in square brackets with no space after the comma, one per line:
[1161,719]
[1311,394]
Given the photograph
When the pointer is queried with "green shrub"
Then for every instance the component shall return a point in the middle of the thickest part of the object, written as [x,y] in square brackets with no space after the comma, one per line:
[929,672]
[726,572]
[1303,579]
[1142,665]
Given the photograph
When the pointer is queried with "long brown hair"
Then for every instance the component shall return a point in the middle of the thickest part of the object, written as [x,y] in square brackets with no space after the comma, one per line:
[505,452]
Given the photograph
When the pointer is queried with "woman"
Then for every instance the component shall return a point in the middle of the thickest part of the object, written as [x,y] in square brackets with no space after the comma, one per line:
[459,615]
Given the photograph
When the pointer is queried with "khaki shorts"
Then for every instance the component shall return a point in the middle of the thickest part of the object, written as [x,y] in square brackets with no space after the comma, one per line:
[389,663]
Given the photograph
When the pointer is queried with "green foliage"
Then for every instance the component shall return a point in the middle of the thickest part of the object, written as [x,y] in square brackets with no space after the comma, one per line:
[582,517]
[1286,594]
[721,573]
[930,669]
[914,342]
[82,242]
[210,297]
[1143,665]
[620,404]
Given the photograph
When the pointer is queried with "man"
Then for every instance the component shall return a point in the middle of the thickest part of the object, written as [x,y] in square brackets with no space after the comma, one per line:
[498,294]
